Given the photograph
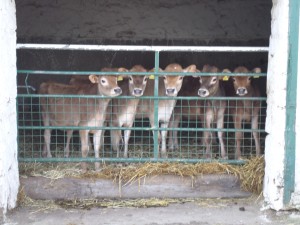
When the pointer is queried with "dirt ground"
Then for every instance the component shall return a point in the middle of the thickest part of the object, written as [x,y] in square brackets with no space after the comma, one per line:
[200,211]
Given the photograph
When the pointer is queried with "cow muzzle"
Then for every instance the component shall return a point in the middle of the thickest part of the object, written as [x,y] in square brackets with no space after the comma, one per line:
[118,91]
[241,91]
[137,92]
[202,92]
[171,91]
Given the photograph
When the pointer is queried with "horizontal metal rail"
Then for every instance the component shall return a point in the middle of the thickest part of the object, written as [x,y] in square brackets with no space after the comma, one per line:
[129,160]
[141,48]
[144,97]
[137,73]
[133,128]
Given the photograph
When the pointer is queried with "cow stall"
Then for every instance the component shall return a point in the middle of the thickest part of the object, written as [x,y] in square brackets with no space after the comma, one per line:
[186,129]
[135,23]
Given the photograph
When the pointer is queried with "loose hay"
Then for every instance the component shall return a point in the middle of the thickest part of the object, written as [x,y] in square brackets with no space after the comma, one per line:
[251,175]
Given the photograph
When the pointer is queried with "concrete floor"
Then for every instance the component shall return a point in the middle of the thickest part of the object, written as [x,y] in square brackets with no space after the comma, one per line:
[201,211]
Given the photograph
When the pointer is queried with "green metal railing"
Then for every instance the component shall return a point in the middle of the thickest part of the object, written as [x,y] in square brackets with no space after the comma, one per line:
[30,130]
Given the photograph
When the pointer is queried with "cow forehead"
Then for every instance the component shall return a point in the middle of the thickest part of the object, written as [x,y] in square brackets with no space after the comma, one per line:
[241,78]
[241,69]
[206,78]
[172,80]
[110,79]
[173,68]
[138,78]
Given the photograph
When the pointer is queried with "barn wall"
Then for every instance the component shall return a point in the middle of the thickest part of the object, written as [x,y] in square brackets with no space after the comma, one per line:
[9,178]
[147,22]
[178,22]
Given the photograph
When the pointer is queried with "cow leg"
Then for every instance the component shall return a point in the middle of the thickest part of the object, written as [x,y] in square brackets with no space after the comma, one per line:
[238,135]
[254,126]
[97,139]
[207,133]
[67,148]
[164,133]
[173,138]
[84,135]
[47,136]
[115,138]
[126,142]
[151,119]
[47,139]
[220,125]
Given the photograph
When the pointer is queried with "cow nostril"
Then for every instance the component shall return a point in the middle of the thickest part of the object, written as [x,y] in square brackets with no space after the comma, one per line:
[137,91]
[170,90]
[203,92]
[118,90]
[241,91]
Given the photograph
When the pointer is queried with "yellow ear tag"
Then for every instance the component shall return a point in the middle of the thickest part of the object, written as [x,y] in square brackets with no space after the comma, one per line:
[151,77]
[225,78]
[120,78]
[255,76]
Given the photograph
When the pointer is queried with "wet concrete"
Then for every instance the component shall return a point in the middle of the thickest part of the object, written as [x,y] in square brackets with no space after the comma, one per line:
[202,212]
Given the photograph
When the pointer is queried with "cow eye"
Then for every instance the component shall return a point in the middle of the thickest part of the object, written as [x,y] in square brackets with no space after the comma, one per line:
[130,78]
[214,79]
[233,79]
[181,77]
[249,78]
[146,78]
[103,81]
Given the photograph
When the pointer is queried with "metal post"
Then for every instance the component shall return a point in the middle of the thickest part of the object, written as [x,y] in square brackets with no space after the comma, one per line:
[291,101]
[156,122]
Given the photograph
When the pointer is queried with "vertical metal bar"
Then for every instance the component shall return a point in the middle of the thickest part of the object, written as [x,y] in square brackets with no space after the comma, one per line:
[291,102]
[156,122]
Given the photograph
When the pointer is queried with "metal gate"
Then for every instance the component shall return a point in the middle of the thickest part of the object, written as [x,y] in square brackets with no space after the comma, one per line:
[144,142]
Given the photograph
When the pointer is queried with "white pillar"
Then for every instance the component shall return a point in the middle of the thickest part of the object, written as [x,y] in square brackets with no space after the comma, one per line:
[276,112]
[9,174]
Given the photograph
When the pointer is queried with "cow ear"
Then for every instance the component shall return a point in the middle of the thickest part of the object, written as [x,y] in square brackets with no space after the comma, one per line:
[256,70]
[197,71]
[226,71]
[190,68]
[94,78]
[225,78]
[151,76]
[122,69]
[122,76]
[153,69]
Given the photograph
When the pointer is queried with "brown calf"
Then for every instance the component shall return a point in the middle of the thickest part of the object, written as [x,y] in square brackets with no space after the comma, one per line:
[124,110]
[78,112]
[245,110]
[210,86]
[169,85]
[206,111]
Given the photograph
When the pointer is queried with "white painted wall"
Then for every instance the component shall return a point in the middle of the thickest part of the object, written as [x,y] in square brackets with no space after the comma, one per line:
[276,92]
[9,174]
[275,123]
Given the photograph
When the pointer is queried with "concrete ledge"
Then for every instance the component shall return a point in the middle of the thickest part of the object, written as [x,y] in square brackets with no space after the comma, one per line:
[163,186]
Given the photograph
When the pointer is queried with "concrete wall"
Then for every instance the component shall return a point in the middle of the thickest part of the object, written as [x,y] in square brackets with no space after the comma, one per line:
[9,178]
[147,22]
